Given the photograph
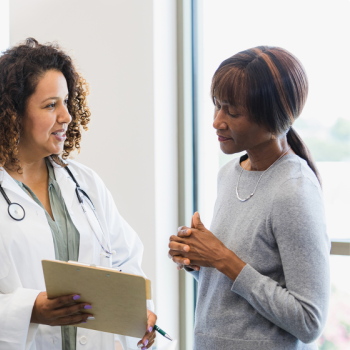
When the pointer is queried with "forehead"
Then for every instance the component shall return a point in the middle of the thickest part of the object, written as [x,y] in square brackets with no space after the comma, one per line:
[236,107]
[51,84]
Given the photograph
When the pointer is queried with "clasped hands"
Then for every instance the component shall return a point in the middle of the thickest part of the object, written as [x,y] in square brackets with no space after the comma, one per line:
[196,246]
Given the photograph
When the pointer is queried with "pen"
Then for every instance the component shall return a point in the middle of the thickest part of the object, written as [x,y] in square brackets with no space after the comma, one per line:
[162,332]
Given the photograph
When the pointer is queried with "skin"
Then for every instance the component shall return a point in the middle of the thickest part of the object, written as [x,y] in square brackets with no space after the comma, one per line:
[196,246]
[46,112]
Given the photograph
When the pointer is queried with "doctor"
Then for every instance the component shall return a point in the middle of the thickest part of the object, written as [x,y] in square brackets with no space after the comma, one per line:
[52,208]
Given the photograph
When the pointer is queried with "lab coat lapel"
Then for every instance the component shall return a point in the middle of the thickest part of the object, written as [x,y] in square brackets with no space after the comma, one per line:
[9,185]
[87,250]
[67,185]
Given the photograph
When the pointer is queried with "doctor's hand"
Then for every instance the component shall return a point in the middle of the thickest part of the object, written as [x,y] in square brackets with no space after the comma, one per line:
[148,339]
[59,311]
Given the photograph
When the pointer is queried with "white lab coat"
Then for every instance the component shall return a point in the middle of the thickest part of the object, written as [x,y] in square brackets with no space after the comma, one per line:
[23,244]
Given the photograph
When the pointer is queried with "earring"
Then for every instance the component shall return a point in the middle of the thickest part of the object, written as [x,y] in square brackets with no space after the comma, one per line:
[273,136]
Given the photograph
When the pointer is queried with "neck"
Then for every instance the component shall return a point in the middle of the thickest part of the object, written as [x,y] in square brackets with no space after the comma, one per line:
[264,155]
[34,171]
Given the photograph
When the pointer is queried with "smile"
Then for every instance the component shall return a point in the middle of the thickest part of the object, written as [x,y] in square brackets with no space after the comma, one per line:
[61,134]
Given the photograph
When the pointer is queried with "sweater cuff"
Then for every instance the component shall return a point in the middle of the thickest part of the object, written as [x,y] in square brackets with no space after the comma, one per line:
[245,281]
[194,273]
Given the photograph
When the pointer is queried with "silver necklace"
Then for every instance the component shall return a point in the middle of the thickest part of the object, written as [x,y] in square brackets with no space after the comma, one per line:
[252,194]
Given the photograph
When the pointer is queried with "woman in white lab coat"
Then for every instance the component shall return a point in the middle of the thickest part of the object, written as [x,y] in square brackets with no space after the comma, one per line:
[42,110]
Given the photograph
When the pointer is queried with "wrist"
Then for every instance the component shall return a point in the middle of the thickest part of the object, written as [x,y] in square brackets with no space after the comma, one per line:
[230,264]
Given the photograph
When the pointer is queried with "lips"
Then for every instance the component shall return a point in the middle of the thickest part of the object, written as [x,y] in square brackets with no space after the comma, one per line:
[223,139]
[59,133]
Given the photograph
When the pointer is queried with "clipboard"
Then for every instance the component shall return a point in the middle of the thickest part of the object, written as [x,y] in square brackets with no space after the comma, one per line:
[118,300]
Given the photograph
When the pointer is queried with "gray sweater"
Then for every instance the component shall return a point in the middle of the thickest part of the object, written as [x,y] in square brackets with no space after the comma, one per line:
[279,301]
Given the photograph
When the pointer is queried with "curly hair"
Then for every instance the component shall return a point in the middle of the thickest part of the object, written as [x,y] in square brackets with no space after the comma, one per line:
[21,68]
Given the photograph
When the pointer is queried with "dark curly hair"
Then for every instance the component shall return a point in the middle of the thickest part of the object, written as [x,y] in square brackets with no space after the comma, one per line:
[21,68]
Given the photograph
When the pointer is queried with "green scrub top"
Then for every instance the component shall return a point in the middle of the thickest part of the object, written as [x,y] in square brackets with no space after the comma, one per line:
[65,238]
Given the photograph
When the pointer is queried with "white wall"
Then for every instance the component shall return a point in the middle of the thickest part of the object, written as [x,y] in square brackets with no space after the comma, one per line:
[132,138]
[4,25]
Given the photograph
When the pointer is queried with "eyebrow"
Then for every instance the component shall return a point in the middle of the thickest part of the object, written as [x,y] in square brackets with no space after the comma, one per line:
[52,98]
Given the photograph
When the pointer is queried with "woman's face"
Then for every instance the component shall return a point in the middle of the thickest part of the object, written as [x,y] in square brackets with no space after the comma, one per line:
[235,130]
[46,117]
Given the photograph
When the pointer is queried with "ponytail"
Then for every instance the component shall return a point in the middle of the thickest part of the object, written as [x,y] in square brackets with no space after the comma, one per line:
[301,150]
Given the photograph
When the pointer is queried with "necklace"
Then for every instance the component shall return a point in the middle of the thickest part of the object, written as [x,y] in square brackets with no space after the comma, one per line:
[252,194]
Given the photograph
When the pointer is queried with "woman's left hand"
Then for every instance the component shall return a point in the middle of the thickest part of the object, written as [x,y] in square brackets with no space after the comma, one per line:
[148,339]
[197,246]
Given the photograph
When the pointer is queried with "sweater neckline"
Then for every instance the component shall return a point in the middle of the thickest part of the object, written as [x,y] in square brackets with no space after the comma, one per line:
[258,173]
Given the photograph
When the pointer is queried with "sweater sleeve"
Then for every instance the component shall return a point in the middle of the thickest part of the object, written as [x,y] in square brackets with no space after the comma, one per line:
[297,222]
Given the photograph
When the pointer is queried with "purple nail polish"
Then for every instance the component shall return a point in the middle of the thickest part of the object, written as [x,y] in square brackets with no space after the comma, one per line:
[84,322]
[144,348]
[87,307]
[146,342]
[150,329]
[76,297]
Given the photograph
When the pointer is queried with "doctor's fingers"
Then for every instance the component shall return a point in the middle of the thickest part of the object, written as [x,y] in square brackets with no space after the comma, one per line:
[151,340]
[70,310]
[64,300]
[70,320]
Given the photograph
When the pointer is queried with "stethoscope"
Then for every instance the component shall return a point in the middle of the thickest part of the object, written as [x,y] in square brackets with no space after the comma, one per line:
[17,212]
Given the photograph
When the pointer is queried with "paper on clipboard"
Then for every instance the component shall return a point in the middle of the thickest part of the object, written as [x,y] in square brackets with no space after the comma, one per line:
[118,300]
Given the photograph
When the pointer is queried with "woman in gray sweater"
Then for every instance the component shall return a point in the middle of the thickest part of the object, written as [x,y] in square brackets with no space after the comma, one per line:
[263,267]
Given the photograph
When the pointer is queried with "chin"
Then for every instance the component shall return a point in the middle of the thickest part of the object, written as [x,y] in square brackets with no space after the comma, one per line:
[228,150]
[55,151]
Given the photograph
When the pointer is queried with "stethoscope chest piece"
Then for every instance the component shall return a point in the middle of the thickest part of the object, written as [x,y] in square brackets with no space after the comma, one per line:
[16,211]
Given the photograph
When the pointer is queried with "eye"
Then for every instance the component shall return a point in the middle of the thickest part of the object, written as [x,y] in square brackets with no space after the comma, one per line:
[51,105]
[66,101]
[233,115]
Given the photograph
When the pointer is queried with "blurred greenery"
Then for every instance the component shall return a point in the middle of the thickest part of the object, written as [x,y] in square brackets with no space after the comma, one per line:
[328,145]
[328,150]
[341,130]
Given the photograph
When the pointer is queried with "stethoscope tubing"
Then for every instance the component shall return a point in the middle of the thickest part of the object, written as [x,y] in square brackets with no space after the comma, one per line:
[78,191]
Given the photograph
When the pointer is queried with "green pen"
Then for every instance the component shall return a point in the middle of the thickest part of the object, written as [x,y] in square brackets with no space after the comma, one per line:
[162,332]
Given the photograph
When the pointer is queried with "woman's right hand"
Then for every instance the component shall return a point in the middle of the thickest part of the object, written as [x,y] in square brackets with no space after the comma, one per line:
[59,311]
[183,247]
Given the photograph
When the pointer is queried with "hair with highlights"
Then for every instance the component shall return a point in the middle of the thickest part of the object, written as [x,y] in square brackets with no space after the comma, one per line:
[271,85]
[21,68]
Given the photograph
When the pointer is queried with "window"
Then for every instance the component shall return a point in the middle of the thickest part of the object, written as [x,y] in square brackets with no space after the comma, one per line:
[317,33]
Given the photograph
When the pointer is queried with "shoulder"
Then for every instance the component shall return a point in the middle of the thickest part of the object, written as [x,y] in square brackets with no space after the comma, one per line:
[295,184]
[293,174]
[228,168]
[84,174]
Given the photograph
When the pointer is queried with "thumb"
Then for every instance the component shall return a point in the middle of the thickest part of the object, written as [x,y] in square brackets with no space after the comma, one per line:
[197,221]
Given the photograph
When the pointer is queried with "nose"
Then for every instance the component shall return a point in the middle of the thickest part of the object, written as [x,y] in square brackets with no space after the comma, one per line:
[219,120]
[64,116]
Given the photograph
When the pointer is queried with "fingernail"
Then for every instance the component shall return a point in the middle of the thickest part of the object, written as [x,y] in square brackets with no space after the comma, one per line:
[144,348]
[146,342]
[76,297]
[84,322]
[150,329]
[140,346]
[87,307]
[91,318]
